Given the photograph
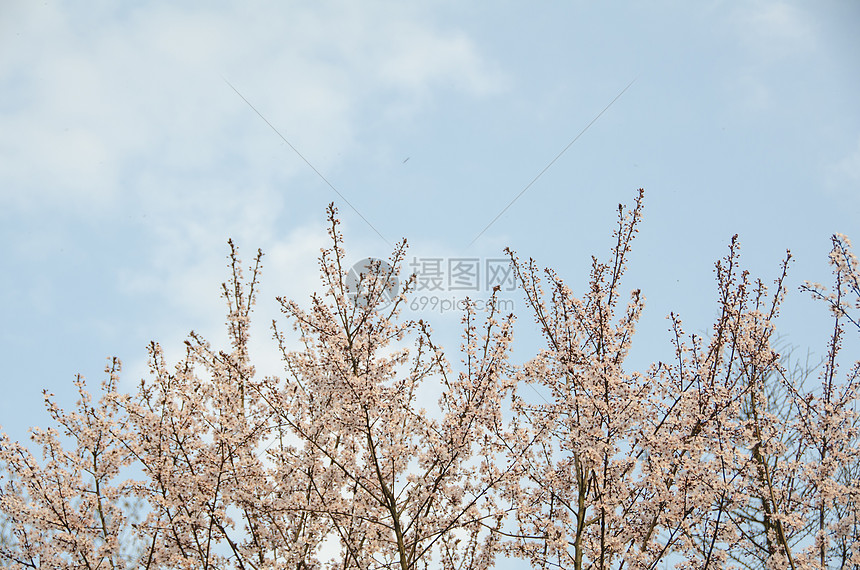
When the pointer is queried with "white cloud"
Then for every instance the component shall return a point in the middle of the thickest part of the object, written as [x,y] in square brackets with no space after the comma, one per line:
[844,174]
[191,285]
[775,30]
[773,37]
[143,89]
[119,117]
[422,59]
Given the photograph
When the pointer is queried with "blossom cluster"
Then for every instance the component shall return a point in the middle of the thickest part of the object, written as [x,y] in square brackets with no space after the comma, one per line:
[721,455]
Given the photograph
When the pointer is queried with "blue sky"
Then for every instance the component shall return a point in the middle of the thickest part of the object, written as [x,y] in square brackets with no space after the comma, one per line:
[127,161]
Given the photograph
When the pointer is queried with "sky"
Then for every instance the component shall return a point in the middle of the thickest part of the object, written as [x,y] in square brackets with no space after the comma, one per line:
[127,160]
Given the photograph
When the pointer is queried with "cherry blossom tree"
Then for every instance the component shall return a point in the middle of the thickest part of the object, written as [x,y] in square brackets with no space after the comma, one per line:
[247,472]
[718,455]
[619,463]
[397,486]
[693,460]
